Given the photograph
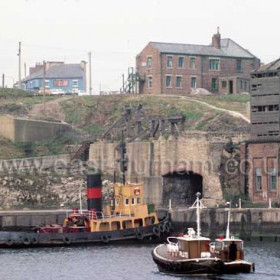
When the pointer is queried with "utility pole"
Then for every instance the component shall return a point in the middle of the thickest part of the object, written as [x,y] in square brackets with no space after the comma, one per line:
[3,80]
[19,65]
[122,83]
[44,85]
[25,76]
[89,63]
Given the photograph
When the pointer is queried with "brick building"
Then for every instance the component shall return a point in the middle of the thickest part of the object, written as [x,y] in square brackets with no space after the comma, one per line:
[262,151]
[222,67]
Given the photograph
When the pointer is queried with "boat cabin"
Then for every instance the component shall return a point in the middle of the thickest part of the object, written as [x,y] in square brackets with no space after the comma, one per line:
[129,211]
[228,249]
[190,246]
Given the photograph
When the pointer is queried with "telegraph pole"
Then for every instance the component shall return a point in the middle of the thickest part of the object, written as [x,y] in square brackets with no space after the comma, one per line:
[44,85]
[3,80]
[19,65]
[25,76]
[89,60]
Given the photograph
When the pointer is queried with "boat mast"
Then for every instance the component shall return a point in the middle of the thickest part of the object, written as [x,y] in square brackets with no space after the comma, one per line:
[80,197]
[198,204]
[123,160]
[228,222]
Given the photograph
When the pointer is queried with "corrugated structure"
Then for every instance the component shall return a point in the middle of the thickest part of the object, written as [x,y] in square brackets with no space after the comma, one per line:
[265,100]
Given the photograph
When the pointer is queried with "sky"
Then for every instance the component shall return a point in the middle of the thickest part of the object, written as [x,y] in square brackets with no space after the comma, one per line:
[116,31]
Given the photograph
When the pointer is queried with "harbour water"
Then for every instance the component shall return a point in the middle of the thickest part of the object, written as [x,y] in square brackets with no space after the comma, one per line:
[118,262]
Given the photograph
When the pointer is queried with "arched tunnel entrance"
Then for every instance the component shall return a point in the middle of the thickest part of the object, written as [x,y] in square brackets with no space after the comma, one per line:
[181,188]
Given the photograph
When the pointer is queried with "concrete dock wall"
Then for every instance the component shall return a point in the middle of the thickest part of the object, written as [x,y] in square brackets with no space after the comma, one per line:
[28,130]
[246,222]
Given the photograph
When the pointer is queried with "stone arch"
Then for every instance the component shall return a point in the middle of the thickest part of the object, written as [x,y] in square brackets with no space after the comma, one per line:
[181,188]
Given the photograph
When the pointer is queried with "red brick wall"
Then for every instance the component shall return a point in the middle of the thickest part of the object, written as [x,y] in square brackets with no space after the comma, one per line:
[263,156]
[201,72]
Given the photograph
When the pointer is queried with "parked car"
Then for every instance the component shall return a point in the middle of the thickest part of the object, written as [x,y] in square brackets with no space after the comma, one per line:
[57,91]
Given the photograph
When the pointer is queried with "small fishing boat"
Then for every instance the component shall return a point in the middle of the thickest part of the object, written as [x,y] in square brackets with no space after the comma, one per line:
[187,254]
[231,250]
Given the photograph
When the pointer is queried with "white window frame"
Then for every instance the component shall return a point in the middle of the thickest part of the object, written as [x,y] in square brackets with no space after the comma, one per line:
[181,67]
[169,56]
[47,83]
[74,85]
[178,76]
[126,201]
[170,81]
[149,57]
[150,78]
[133,201]
[219,66]
[194,77]
[193,57]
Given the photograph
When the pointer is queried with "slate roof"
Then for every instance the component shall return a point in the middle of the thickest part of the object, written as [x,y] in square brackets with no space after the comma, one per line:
[228,49]
[59,72]
[272,66]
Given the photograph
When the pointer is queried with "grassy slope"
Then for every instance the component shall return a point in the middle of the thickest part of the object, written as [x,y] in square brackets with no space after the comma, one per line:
[94,113]
[18,102]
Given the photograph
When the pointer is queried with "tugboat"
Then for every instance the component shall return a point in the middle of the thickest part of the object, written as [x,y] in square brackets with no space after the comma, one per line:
[129,218]
[231,251]
[187,254]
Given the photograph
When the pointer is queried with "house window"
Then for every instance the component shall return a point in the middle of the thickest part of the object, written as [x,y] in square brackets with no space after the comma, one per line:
[132,201]
[126,201]
[241,84]
[181,62]
[193,82]
[168,81]
[149,62]
[214,84]
[245,85]
[178,81]
[138,200]
[150,82]
[74,83]
[192,62]
[272,178]
[169,61]
[238,65]
[214,64]
[47,84]
[224,84]
[258,179]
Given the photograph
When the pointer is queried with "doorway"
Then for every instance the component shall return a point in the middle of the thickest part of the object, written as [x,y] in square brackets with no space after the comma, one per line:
[230,87]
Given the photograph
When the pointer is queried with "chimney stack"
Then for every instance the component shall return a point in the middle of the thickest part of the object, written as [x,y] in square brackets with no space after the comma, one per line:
[216,39]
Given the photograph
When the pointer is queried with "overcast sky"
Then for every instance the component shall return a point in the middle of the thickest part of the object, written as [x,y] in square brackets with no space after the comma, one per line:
[115,31]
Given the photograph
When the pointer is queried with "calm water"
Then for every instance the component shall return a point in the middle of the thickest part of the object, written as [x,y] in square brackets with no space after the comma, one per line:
[119,262]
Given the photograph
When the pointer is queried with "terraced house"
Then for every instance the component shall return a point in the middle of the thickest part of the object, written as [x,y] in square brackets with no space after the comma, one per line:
[169,68]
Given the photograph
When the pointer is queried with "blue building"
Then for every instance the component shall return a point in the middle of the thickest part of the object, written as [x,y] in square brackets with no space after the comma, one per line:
[58,76]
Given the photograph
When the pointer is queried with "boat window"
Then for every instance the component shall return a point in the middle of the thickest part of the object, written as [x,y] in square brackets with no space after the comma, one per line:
[104,226]
[218,245]
[138,223]
[149,221]
[126,201]
[127,224]
[115,225]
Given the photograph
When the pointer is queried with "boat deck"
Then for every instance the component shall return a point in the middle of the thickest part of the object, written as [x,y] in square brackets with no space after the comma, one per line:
[162,252]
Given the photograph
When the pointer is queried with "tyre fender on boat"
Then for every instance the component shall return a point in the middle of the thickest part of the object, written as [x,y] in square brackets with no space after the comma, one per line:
[9,242]
[161,228]
[139,234]
[156,231]
[67,240]
[105,238]
[166,227]
[34,240]
[26,240]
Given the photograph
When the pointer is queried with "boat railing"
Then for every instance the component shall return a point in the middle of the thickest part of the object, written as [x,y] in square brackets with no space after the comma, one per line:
[99,215]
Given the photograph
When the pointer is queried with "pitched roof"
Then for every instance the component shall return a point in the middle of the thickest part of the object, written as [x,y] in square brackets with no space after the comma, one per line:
[272,66]
[228,49]
[59,71]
